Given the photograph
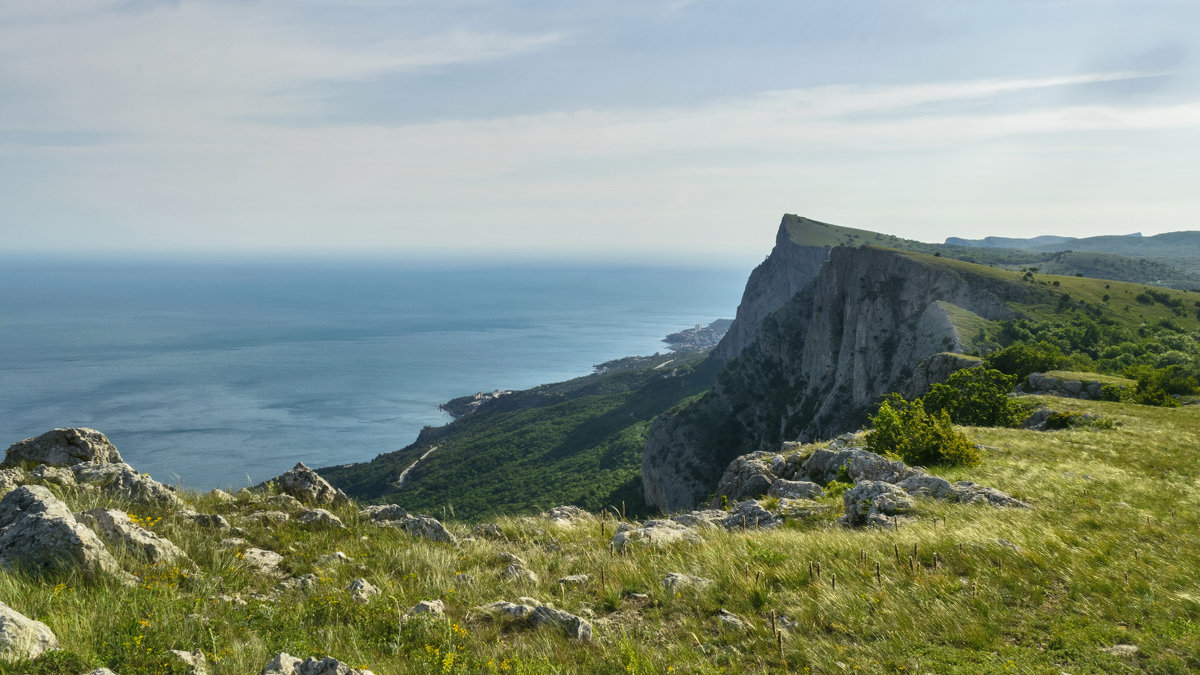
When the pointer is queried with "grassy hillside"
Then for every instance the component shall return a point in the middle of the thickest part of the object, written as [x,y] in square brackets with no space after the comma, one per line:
[576,442]
[1147,260]
[1107,556]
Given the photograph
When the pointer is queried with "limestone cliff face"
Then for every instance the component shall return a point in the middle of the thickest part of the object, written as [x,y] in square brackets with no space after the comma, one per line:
[789,268]
[816,365]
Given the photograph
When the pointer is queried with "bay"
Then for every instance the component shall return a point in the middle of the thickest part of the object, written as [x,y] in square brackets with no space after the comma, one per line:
[215,373]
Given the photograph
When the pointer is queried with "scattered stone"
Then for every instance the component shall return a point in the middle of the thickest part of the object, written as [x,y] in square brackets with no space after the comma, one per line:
[320,517]
[264,561]
[924,485]
[507,558]
[303,583]
[430,607]
[1008,545]
[970,493]
[63,447]
[220,495]
[795,489]
[307,486]
[100,671]
[747,477]
[245,495]
[464,579]
[701,519]
[116,528]
[285,502]
[574,581]
[273,518]
[653,533]
[421,526]
[567,516]
[337,557]
[194,660]
[22,637]
[731,621]
[38,534]
[519,573]
[750,515]
[210,521]
[362,591]
[1121,650]
[574,626]
[286,664]
[376,513]
[489,530]
[869,502]
[638,598]
[676,582]
[233,542]
[54,475]
[122,480]
[517,611]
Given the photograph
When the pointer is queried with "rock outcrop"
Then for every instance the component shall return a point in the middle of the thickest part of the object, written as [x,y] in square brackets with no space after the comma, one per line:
[286,664]
[818,362]
[121,480]
[63,447]
[116,528]
[38,534]
[307,486]
[22,637]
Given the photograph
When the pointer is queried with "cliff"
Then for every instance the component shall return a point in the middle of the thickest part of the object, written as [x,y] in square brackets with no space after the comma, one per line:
[861,327]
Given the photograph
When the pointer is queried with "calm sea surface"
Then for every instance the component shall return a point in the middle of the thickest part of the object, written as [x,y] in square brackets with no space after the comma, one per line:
[227,374]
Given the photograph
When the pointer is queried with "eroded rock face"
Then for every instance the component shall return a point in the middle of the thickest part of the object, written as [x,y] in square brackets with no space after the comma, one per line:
[421,526]
[376,513]
[652,533]
[320,518]
[121,480]
[22,637]
[795,489]
[116,528]
[38,534]
[307,486]
[856,464]
[63,447]
[746,477]
[750,515]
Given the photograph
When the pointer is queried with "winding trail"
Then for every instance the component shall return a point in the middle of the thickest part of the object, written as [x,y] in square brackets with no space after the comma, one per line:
[404,474]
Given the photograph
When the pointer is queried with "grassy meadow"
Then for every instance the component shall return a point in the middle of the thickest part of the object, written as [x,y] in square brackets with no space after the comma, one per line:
[1108,555]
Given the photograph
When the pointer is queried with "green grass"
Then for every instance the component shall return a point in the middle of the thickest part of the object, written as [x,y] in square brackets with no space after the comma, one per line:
[1108,555]
[1087,377]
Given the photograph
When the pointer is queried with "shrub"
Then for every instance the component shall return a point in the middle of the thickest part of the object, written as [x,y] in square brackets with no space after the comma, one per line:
[1021,359]
[915,436]
[976,396]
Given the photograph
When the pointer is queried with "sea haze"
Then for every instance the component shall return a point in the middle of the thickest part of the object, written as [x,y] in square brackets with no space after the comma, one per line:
[223,374]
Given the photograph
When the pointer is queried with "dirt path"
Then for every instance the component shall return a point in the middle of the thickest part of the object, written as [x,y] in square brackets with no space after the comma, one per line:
[404,474]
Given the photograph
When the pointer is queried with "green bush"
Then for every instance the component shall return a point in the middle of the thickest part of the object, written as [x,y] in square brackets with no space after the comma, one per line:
[976,396]
[1024,358]
[904,429]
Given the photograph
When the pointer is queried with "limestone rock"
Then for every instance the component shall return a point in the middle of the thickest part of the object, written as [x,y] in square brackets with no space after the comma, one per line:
[870,501]
[800,509]
[303,583]
[1121,650]
[747,477]
[489,530]
[653,533]
[121,480]
[430,607]
[928,486]
[574,626]
[859,465]
[573,581]
[264,561]
[750,515]
[116,528]
[11,478]
[63,447]
[210,521]
[307,486]
[507,558]
[567,516]
[39,534]
[54,475]
[271,518]
[795,489]
[519,573]
[971,493]
[197,664]
[377,513]
[22,637]
[337,557]
[284,502]
[422,526]
[100,671]
[512,609]
[220,495]
[730,621]
[676,582]
[700,519]
[362,591]
[320,517]
[286,664]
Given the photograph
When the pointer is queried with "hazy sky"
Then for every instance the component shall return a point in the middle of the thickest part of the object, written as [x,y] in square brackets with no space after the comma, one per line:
[550,126]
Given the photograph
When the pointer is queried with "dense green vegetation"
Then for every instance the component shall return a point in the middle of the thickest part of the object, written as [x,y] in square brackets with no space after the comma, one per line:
[907,431]
[577,442]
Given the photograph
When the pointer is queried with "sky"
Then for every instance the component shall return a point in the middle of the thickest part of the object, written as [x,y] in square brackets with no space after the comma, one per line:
[672,128]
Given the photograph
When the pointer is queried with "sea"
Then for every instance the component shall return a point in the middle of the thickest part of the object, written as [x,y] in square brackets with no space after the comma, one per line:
[226,373]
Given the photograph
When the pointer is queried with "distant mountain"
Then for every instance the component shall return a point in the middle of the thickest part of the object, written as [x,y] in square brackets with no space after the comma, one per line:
[1009,242]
